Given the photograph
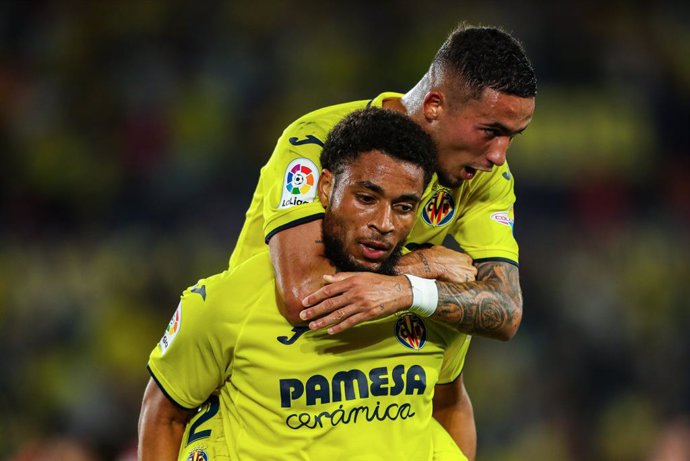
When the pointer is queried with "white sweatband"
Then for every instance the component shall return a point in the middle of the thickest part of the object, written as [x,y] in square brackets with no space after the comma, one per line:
[424,295]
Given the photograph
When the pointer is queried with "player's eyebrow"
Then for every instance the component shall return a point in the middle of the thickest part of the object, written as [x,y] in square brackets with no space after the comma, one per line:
[379,190]
[409,198]
[504,130]
[372,186]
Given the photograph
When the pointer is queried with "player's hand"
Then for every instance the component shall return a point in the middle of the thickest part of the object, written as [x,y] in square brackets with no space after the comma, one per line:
[350,298]
[440,263]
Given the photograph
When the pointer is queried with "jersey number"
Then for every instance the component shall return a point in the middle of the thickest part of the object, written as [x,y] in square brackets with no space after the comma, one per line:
[194,433]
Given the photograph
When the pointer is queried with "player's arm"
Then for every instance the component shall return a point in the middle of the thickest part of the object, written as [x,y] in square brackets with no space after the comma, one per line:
[438,262]
[297,254]
[453,409]
[491,306]
[161,426]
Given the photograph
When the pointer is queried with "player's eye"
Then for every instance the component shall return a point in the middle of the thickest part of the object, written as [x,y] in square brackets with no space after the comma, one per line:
[405,208]
[366,198]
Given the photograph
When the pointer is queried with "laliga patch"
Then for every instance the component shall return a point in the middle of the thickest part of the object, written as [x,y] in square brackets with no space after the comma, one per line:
[197,455]
[299,185]
[439,209]
[503,217]
[410,331]
[172,330]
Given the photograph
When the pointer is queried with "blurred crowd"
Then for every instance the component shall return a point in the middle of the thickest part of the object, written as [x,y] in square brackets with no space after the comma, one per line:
[131,137]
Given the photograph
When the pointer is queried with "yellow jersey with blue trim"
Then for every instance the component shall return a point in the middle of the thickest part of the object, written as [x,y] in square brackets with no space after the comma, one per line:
[288,393]
[478,215]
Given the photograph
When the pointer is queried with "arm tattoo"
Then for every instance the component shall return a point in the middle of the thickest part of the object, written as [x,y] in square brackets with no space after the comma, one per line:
[425,262]
[491,306]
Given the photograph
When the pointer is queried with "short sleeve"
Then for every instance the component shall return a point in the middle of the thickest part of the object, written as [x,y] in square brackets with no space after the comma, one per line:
[195,353]
[454,358]
[290,178]
[485,228]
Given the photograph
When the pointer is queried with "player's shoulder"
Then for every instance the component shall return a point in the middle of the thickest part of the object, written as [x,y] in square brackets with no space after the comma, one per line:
[320,121]
[233,284]
[205,297]
[335,111]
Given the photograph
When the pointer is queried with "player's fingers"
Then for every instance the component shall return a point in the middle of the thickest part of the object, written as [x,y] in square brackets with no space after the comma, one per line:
[334,318]
[323,294]
[331,278]
[323,308]
[349,322]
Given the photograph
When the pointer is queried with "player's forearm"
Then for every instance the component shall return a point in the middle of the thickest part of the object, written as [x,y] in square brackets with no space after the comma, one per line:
[418,263]
[438,262]
[292,289]
[161,426]
[453,409]
[461,427]
[299,263]
[464,429]
[490,307]
[160,442]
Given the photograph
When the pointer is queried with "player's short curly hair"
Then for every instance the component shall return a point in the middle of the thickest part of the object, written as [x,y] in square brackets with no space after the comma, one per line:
[487,57]
[378,129]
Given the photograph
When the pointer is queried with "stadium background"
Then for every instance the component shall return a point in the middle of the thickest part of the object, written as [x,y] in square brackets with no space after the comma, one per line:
[131,135]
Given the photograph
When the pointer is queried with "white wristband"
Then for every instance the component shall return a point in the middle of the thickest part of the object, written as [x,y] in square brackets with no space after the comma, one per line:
[424,295]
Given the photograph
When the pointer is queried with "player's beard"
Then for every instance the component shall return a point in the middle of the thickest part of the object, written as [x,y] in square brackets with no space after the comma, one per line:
[447,181]
[344,262]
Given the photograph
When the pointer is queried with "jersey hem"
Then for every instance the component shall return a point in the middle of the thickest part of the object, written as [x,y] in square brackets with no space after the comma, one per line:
[451,381]
[160,386]
[497,259]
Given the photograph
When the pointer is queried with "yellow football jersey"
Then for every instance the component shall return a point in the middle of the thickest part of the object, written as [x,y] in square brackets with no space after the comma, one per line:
[204,438]
[478,215]
[287,393]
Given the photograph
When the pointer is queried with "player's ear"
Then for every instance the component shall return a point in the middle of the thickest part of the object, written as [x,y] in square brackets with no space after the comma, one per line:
[434,103]
[325,187]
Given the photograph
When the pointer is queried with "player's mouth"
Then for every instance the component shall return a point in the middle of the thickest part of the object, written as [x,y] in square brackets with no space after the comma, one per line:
[374,250]
[468,173]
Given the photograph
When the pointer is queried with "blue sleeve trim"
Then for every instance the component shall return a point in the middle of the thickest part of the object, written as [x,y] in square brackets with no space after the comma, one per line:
[503,260]
[294,223]
[165,392]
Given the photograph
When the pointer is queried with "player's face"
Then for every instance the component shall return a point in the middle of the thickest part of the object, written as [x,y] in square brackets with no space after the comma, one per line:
[476,136]
[370,209]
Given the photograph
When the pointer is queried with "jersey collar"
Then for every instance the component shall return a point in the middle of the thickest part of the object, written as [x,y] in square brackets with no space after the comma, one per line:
[378,100]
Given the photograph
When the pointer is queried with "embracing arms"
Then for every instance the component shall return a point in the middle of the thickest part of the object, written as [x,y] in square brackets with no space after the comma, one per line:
[491,306]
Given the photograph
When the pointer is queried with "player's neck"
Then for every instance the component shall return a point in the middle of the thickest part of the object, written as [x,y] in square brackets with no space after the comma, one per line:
[394,104]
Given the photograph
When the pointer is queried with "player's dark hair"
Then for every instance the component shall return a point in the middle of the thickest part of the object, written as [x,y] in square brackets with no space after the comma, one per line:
[370,129]
[488,57]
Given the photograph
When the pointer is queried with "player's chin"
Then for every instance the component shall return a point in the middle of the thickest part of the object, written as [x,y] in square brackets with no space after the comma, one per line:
[450,181]
[364,264]
[369,266]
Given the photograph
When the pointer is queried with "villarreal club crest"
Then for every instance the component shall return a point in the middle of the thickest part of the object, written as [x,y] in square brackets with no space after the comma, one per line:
[197,455]
[439,209]
[410,331]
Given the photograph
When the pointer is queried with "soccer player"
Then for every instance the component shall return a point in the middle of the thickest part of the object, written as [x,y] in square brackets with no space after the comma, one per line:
[477,95]
[285,392]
